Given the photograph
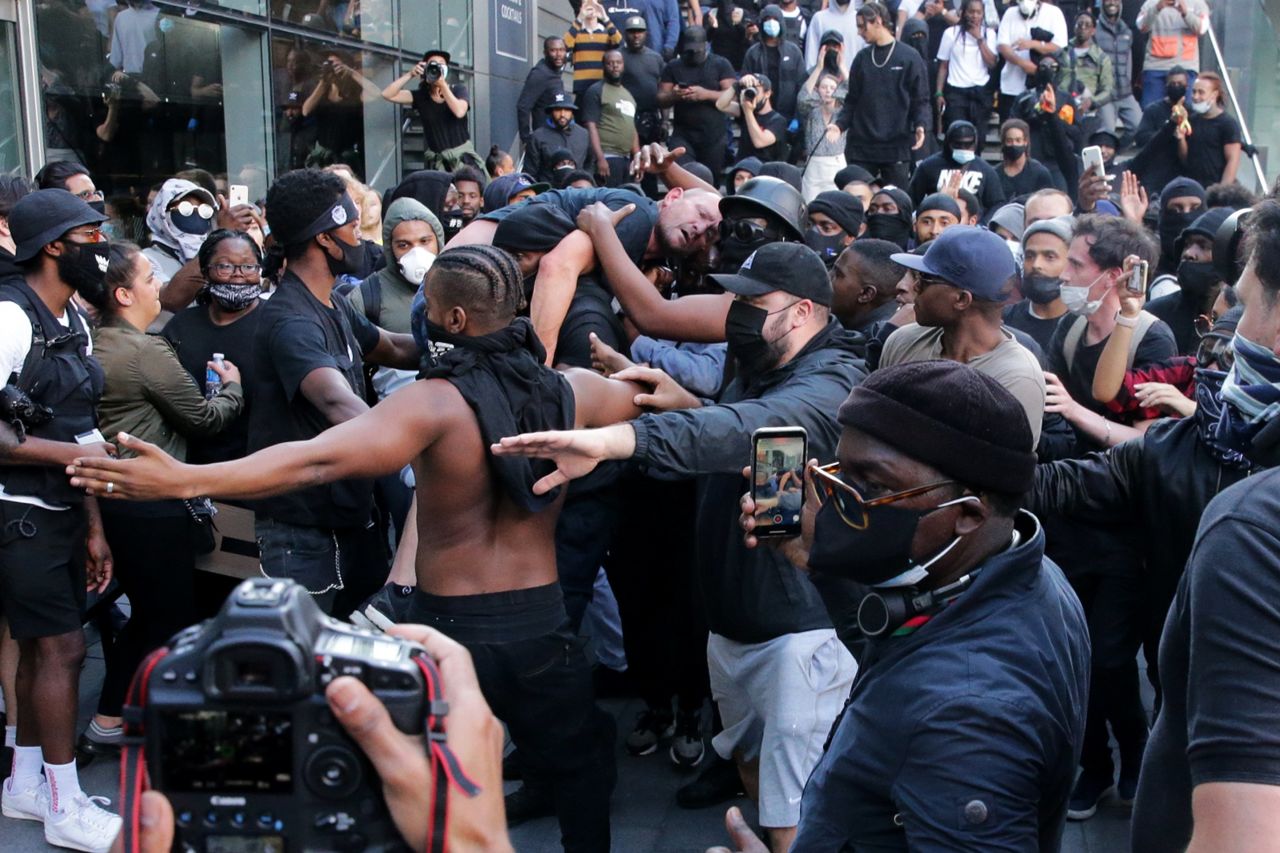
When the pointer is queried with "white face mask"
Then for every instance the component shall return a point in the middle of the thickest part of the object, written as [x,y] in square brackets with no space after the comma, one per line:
[415,263]
[1015,248]
[772,28]
[1201,107]
[1028,7]
[1077,298]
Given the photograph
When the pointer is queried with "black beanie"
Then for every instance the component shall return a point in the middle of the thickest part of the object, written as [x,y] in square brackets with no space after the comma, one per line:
[844,209]
[533,228]
[949,416]
[849,174]
[939,201]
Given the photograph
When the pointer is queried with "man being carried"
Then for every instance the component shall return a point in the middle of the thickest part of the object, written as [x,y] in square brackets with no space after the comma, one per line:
[485,565]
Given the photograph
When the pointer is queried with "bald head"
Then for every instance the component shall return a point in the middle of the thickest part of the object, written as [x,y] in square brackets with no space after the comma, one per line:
[1046,204]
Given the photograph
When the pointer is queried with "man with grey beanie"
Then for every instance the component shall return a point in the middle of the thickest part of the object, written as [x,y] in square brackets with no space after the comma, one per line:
[1044,257]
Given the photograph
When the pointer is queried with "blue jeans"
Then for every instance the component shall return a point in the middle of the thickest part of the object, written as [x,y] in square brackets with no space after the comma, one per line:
[1153,86]
[344,564]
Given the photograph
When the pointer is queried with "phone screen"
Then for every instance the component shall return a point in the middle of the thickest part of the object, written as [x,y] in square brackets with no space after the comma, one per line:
[777,480]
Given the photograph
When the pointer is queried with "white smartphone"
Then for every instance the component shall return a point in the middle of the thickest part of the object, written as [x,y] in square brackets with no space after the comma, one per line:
[237,194]
[1092,156]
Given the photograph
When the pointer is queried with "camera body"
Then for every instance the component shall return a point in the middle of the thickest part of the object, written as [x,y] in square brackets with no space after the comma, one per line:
[748,93]
[241,740]
[434,72]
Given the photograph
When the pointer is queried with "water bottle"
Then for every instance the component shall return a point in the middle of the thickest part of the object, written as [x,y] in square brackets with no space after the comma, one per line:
[212,381]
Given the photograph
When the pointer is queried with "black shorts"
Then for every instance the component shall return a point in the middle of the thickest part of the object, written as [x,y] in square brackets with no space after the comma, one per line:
[42,579]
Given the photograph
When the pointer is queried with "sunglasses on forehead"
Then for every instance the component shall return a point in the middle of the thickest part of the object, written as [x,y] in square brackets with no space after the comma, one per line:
[850,505]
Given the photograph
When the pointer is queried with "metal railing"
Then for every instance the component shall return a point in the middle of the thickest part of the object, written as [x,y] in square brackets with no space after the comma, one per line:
[1249,147]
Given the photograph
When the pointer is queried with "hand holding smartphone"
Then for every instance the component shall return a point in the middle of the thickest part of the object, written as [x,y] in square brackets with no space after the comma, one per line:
[778,456]
[238,194]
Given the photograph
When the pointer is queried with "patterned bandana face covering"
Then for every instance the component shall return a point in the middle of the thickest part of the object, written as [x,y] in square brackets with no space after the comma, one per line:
[1250,394]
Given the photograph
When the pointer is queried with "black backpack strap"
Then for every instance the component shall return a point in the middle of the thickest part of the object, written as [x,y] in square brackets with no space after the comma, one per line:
[371,293]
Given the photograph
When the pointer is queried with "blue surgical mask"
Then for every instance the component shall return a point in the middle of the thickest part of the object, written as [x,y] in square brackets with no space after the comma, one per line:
[962,157]
[772,28]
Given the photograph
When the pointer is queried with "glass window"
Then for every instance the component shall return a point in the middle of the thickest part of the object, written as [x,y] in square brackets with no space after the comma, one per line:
[455,29]
[12,150]
[369,20]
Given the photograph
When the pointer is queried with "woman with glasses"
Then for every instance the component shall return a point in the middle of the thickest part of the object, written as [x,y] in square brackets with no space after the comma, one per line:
[223,320]
[147,394]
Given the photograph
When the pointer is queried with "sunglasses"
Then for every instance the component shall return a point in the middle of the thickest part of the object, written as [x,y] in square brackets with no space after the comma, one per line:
[930,280]
[851,506]
[741,229]
[186,208]
[1215,349]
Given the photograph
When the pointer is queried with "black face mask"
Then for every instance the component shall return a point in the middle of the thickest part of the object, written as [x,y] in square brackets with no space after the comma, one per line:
[1012,152]
[694,56]
[1041,289]
[1171,227]
[744,333]
[1045,75]
[828,248]
[738,239]
[877,553]
[1197,278]
[84,268]
[1175,93]
[351,261]
[234,297]
[889,226]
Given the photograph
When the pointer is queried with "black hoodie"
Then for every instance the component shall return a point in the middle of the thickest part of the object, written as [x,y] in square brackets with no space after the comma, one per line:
[751,596]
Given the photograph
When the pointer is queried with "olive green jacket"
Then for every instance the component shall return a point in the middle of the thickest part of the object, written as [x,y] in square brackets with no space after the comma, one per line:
[150,395]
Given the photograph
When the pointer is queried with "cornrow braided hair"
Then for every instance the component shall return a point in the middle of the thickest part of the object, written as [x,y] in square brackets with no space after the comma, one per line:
[495,267]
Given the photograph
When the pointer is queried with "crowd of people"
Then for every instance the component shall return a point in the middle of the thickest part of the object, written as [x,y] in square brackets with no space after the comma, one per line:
[513,400]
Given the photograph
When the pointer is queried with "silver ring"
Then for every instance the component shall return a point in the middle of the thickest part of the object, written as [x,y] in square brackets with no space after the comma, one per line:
[111,487]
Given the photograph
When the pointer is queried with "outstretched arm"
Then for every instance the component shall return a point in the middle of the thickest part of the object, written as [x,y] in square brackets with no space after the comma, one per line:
[555,285]
[380,441]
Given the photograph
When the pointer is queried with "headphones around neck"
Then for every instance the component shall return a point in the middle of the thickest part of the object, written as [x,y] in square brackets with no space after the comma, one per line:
[883,611]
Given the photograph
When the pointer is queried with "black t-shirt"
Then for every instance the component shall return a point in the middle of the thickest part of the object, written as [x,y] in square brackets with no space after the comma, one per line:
[1205,157]
[641,72]
[299,334]
[634,230]
[699,119]
[441,129]
[1034,176]
[1019,316]
[773,121]
[1180,312]
[1156,345]
[1219,666]
[196,338]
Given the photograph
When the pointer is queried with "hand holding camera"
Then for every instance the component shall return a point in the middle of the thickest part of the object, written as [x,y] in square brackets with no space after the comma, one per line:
[749,92]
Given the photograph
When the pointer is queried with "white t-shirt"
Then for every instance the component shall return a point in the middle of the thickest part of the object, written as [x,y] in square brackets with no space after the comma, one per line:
[1013,80]
[960,49]
[832,18]
[15,343]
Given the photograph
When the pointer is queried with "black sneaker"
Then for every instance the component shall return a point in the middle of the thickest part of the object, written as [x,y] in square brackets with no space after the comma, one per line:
[1089,791]
[652,725]
[386,607]
[687,748]
[718,783]
[1127,790]
[526,804]
[88,749]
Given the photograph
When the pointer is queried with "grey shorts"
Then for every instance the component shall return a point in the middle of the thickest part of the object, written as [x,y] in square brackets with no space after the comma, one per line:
[778,700]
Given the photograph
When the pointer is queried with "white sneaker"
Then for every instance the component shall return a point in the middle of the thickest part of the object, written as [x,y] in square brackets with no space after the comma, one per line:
[28,803]
[82,825]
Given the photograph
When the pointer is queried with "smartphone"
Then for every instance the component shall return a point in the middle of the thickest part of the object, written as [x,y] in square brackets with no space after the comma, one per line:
[1092,156]
[237,194]
[1138,278]
[778,456]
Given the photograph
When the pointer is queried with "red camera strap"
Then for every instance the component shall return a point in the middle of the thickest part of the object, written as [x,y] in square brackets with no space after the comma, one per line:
[133,759]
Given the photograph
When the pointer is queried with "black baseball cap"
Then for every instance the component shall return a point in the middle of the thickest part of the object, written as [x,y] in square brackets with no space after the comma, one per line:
[790,267]
[43,216]
[562,101]
[832,37]
[635,22]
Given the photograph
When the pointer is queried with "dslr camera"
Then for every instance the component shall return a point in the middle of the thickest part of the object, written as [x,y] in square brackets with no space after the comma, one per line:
[435,71]
[748,92]
[239,738]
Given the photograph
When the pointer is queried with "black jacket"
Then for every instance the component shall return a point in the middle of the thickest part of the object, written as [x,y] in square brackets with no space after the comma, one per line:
[1159,483]
[548,139]
[751,596]
[786,74]
[963,735]
[539,90]
[885,104]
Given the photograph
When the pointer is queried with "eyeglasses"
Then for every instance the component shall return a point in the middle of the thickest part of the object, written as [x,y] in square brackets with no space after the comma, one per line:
[851,506]
[90,195]
[90,235]
[1215,349]
[1203,324]
[228,270]
[930,280]
[186,208]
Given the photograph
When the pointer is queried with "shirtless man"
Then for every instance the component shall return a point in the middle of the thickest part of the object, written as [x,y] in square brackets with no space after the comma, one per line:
[486,568]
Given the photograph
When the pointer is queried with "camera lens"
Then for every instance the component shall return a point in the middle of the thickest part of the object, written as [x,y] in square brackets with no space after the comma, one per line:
[333,772]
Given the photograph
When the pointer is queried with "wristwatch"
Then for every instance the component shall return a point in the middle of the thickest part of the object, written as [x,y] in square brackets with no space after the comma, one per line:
[1127,322]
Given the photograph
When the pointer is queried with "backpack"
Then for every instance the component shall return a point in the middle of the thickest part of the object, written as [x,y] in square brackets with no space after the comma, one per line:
[1072,341]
